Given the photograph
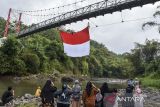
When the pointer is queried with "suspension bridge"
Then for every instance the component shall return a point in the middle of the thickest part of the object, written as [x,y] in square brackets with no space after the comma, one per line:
[85,12]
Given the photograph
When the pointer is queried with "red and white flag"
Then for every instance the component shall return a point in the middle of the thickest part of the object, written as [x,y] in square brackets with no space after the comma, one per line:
[76,44]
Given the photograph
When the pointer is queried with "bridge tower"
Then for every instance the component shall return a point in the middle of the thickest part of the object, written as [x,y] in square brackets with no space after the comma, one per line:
[18,25]
[7,23]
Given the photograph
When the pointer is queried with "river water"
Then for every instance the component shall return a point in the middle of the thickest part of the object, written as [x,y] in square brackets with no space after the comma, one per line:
[22,87]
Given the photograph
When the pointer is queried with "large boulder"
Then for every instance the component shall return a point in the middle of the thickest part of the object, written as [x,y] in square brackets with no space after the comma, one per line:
[28,96]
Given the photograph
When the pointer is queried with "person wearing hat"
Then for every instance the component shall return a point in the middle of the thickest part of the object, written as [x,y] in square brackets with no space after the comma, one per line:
[76,94]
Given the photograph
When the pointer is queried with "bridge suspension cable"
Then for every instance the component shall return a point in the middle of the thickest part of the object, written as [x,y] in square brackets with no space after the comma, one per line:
[40,20]
[30,17]
[52,11]
[49,9]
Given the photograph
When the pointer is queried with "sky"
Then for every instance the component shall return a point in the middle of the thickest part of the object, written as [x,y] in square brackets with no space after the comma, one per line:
[116,36]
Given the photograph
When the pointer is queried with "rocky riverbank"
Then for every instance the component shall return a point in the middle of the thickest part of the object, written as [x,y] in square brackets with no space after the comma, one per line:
[151,97]
[55,76]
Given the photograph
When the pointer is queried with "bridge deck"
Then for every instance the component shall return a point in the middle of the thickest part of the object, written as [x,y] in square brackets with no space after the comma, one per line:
[87,12]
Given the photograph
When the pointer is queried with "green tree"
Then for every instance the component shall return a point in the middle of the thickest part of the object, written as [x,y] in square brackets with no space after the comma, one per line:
[32,62]
[153,23]
[11,47]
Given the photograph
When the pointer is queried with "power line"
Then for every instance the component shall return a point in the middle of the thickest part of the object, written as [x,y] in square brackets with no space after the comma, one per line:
[132,20]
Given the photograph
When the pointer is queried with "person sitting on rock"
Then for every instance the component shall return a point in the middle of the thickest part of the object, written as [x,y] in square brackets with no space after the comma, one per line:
[8,96]
[47,94]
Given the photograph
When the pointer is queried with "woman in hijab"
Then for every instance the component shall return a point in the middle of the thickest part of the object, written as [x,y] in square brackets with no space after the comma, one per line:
[104,91]
[89,95]
[47,94]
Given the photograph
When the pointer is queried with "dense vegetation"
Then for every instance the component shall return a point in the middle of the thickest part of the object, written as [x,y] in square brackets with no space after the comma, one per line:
[146,62]
[43,53]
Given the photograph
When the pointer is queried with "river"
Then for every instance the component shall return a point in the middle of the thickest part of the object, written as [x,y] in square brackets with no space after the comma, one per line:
[22,87]
[29,86]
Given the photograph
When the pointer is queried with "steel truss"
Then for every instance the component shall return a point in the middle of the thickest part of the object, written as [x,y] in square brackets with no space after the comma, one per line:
[93,10]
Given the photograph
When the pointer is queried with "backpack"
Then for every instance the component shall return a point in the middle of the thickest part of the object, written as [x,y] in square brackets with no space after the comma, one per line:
[131,83]
[99,97]
[63,96]
[76,92]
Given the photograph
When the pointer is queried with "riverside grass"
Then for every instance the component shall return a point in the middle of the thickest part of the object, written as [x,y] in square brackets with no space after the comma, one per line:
[150,82]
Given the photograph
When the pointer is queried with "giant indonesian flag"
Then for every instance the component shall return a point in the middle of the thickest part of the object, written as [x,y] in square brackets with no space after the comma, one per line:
[76,44]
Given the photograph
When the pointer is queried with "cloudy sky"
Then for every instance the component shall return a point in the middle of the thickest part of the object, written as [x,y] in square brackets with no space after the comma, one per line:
[118,37]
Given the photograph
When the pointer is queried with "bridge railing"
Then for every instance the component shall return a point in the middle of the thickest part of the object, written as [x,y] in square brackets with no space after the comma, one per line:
[93,8]
[65,16]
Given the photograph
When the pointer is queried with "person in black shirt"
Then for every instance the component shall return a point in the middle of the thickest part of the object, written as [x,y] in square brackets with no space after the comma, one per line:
[8,96]
[47,94]
[129,97]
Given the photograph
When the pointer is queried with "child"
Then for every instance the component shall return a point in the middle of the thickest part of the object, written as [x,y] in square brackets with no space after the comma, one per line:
[38,92]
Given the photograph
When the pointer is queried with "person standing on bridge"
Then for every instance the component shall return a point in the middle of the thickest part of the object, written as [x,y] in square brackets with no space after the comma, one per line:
[89,95]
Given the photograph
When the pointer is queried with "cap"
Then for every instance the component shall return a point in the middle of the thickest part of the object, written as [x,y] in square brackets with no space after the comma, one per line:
[76,82]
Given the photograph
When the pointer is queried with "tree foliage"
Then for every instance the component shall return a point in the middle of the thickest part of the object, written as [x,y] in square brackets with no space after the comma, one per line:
[146,58]
[43,52]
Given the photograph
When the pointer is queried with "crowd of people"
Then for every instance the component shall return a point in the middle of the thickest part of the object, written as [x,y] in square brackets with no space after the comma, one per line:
[74,96]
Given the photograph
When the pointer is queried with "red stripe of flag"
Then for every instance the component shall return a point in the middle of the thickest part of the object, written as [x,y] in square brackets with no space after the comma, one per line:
[75,38]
